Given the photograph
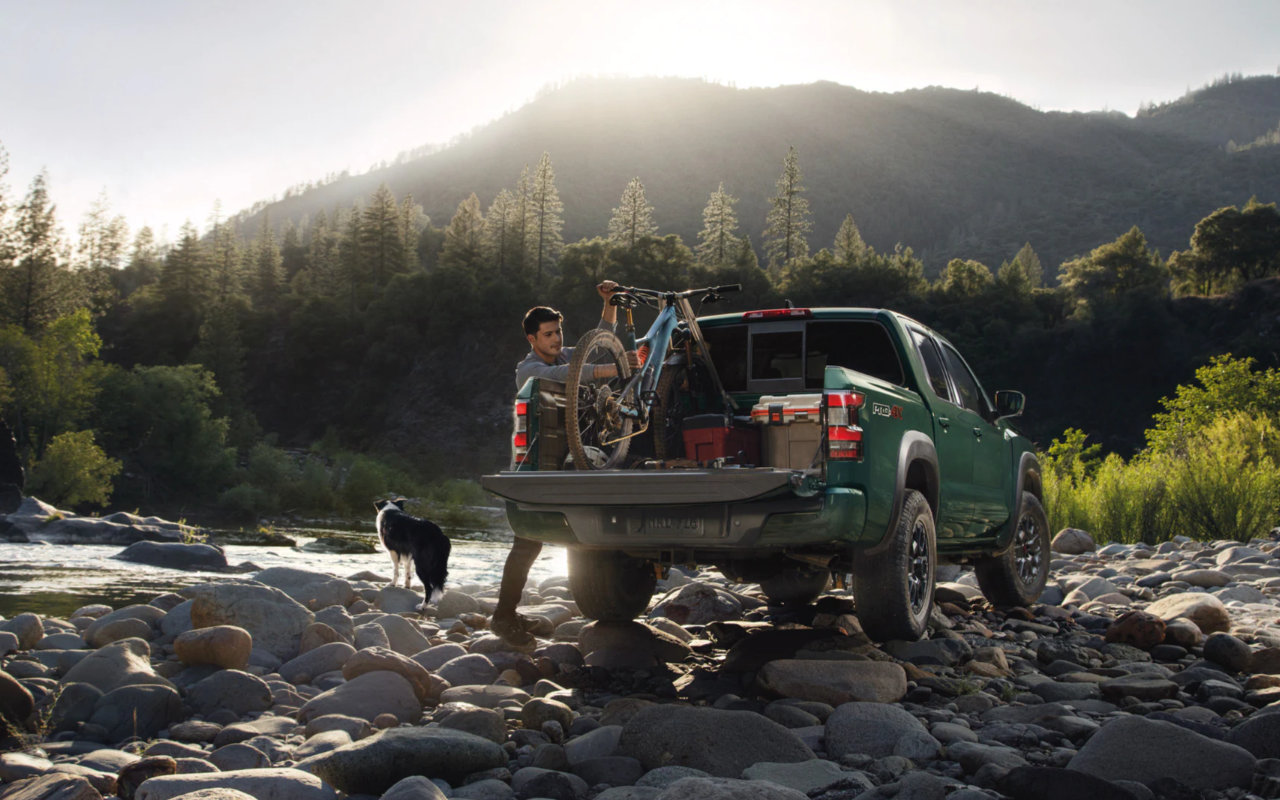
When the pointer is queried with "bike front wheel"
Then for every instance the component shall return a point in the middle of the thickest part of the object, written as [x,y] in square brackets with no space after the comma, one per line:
[599,434]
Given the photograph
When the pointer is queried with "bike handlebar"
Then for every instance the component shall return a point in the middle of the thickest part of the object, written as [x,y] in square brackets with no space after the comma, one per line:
[730,287]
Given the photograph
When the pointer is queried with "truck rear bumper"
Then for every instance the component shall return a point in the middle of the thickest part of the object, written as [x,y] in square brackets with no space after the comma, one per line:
[697,511]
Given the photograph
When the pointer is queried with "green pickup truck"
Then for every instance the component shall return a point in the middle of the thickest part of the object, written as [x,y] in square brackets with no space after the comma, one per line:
[846,442]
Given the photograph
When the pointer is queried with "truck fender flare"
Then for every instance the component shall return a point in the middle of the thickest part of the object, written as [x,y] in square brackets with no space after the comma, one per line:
[1028,481]
[916,447]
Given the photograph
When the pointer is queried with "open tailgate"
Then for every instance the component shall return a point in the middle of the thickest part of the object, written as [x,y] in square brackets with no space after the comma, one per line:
[637,488]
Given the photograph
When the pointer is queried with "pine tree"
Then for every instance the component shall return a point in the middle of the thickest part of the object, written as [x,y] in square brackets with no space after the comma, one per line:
[633,218]
[351,271]
[38,287]
[143,268]
[381,238]
[412,222]
[184,278]
[520,219]
[849,247]
[1024,270]
[502,232]
[464,238]
[718,239]
[268,268]
[6,230]
[226,273]
[103,238]
[544,220]
[788,221]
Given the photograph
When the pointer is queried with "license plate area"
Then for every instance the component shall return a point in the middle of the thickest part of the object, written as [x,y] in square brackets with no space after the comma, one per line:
[672,523]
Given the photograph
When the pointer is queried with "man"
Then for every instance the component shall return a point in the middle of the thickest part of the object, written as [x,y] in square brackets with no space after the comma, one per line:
[548,359]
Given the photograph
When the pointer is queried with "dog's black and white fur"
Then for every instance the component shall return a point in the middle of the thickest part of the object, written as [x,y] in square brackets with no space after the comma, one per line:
[407,538]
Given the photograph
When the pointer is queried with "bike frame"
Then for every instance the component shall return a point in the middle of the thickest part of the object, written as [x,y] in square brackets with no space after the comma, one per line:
[634,399]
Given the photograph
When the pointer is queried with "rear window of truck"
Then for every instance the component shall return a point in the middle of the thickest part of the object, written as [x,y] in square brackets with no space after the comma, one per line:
[790,356]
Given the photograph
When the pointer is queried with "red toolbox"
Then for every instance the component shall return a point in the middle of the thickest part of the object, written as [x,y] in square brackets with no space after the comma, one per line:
[707,437]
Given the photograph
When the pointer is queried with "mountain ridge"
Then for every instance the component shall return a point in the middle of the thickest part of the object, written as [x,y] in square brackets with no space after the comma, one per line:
[951,173]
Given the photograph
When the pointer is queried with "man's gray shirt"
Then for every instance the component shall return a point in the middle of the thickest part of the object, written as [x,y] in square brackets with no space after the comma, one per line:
[534,367]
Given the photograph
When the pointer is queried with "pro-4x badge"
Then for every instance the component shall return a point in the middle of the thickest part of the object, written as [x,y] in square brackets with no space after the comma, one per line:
[885,410]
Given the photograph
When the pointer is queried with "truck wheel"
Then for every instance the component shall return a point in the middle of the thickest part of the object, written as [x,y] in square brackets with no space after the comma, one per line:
[610,586]
[669,413]
[1017,576]
[893,589]
[796,586]
[598,433]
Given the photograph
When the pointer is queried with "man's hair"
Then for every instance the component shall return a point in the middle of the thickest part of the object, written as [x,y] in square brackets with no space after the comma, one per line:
[537,315]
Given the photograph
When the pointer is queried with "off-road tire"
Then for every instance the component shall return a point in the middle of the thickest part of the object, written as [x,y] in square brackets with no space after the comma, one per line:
[582,420]
[893,589]
[669,413]
[610,586]
[1017,576]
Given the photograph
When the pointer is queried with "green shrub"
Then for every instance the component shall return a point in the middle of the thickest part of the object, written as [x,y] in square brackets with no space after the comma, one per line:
[74,471]
[1227,487]
[247,502]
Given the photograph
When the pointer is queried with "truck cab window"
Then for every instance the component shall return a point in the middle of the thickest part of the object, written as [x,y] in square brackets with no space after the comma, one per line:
[971,396]
[934,371]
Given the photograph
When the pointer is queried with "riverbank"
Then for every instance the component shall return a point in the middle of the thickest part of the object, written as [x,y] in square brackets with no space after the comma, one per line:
[1144,672]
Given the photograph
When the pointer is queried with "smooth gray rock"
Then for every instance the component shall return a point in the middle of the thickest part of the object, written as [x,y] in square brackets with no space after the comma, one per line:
[1142,750]
[27,627]
[138,710]
[366,696]
[877,730]
[121,663]
[272,618]
[176,555]
[325,658]
[805,776]
[373,765]
[238,692]
[728,789]
[260,784]
[697,604]
[438,655]
[403,636]
[487,723]
[834,682]
[599,743]
[469,670]
[536,782]
[1259,734]
[722,743]
[414,787]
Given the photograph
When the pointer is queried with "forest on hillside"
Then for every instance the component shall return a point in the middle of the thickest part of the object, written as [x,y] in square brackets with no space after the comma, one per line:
[371,349]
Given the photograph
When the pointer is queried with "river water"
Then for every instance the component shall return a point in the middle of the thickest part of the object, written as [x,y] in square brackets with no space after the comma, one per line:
[55,580]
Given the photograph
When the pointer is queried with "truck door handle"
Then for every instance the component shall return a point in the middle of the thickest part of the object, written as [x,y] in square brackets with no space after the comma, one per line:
[977,432]
[944,422]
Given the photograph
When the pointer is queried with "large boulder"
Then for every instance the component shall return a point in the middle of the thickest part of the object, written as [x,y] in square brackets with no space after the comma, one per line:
[375,659]
[325,658]
[272,618]
[878,730]
[403,636]
[225,646]
[367,696]
[1143,750]
[16,701]
[1205,610]
[141,710]
[27,627]
[123,663]
[260,784]
[1073,541]
[375,764]
[834,682]
[176,555]
[238,692]
[721,743]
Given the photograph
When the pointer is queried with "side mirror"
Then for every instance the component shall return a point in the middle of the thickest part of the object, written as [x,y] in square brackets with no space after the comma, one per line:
[1009,403]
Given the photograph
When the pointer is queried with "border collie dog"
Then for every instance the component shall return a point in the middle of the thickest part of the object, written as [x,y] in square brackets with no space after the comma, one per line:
[409,538]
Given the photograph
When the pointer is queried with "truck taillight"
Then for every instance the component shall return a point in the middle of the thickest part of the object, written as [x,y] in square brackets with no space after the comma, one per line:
[520,437]
[844,435]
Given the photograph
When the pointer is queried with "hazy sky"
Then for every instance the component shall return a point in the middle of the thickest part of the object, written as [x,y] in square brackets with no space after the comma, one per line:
[171,106]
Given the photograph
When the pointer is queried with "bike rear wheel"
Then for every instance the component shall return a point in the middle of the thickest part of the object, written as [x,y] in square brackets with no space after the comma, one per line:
[598,434]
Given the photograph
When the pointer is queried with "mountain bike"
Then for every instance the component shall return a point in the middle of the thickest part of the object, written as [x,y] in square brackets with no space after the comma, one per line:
[607,405]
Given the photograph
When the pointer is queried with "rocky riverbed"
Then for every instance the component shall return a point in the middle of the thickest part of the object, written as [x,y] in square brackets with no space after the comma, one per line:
[1144,672]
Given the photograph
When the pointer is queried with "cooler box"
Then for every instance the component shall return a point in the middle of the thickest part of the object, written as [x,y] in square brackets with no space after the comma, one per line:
[792,426]
[706,438]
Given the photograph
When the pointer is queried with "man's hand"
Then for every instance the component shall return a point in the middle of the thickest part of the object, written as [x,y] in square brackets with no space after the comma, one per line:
[606,288]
